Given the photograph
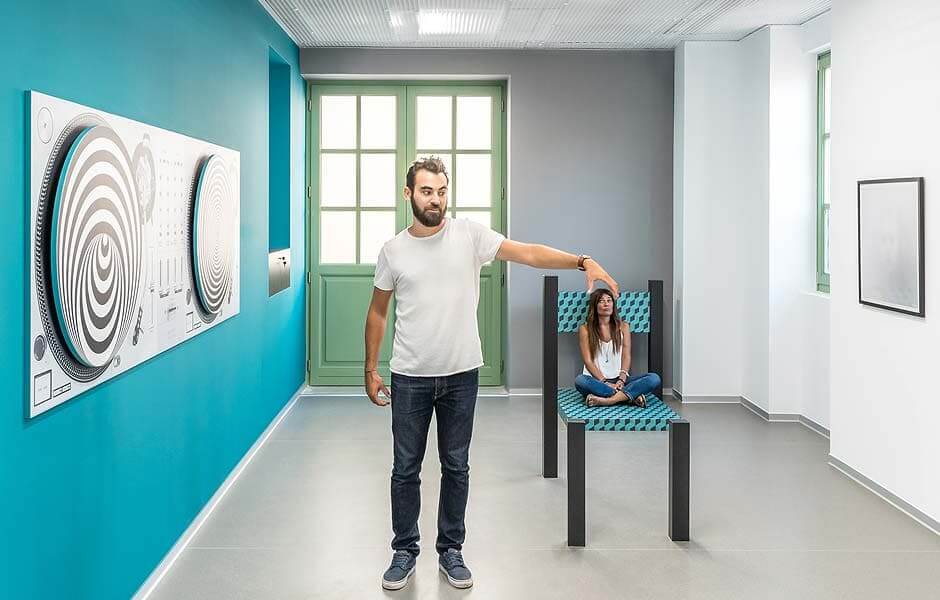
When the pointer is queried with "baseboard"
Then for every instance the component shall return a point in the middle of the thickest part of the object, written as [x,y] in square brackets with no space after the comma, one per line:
[538,392]
[169,560]
[757,410]
[345,391]
[525,391]
[337,391]
[785,418]
[807,422]
[754,408]
[709,399]
[903,506]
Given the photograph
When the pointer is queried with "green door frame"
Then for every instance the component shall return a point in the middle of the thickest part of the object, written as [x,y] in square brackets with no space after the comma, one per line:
[492,275]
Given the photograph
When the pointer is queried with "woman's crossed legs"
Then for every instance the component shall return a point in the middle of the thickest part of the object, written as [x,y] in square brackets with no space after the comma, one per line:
[602,393]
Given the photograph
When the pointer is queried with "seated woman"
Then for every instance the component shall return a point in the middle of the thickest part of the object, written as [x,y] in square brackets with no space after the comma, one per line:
[605,350]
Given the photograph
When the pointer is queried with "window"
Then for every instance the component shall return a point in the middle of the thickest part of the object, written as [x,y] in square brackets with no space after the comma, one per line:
[358,173]
[457,125]
[823,120]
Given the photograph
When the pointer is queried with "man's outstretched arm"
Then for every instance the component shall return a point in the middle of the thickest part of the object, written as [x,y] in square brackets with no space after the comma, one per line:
[546,257]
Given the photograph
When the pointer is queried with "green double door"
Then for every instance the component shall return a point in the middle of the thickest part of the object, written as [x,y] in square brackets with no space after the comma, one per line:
[362,137]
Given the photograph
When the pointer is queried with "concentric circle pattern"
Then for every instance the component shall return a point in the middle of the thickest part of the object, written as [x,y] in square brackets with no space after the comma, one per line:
[96,246]
[214,235]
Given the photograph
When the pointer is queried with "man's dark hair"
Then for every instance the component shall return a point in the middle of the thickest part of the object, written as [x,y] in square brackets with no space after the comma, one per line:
[432,163]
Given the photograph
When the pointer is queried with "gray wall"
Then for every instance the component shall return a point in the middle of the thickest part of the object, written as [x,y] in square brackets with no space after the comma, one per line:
[590,169]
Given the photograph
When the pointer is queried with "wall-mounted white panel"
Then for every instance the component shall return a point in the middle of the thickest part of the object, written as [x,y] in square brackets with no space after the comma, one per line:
[134,235]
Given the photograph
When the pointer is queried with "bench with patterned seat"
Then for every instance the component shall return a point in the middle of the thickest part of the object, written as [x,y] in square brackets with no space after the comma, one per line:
[564,312]
[656,416]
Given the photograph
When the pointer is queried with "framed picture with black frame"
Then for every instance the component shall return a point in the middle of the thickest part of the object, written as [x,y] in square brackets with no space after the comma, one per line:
[891,244]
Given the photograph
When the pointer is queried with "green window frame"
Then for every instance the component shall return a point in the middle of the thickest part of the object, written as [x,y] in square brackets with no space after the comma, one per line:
[823,146]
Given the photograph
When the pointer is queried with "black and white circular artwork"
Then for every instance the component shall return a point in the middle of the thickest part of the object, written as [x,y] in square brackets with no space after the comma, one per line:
[214,235]
[96,246]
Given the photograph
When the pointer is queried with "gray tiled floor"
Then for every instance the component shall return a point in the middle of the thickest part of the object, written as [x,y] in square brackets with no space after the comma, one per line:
[309,517]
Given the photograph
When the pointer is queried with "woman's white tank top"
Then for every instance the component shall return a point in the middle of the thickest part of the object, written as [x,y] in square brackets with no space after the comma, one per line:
[607,360]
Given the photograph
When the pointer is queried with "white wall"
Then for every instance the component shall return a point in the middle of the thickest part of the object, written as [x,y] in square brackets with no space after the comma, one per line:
[885,123]
[723,150]
[711,253]
[750,322]
[799,317]
[678,187]
[752,223]
[817,34]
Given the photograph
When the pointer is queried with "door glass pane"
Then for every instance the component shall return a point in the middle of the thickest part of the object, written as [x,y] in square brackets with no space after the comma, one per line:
[337,179]
[447,159]
[377,180]
[826,240]
[377,125]
[828,94]
[474,125]
[376,228]
[434,122]
[473,180]
[826,172]
[337,237]
[337,122]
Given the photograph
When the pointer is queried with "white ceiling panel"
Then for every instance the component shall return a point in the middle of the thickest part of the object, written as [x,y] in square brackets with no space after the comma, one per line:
[613,24]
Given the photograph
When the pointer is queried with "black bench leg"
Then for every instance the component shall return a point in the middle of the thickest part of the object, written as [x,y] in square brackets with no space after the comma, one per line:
[550,377]
[576,502]
[679,454]
[550,434]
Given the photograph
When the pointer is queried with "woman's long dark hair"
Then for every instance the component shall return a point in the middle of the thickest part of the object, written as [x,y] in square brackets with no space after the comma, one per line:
[594,322]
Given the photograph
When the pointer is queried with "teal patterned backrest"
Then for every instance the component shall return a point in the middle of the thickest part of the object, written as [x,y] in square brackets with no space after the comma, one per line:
[633,307]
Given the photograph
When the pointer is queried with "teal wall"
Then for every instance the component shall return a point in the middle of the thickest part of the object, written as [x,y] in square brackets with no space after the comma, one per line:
[94,492]
[279,141]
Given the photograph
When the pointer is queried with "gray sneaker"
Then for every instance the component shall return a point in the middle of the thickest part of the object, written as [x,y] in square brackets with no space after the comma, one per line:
[451,564]
[400,571]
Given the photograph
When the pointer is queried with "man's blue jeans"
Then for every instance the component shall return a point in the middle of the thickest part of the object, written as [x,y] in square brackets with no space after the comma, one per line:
[635,386]
[453,398]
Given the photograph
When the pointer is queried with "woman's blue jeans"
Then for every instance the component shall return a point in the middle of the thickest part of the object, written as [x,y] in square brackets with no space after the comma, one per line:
[634,387]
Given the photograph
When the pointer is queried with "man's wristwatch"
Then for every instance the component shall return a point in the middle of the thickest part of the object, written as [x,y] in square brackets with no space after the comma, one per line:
[581,259]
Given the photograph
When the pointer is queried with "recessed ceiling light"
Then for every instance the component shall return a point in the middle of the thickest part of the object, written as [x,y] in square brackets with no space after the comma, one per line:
[432,22]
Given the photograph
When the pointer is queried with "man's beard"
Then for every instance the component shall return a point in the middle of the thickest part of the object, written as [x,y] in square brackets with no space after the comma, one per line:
[427,219]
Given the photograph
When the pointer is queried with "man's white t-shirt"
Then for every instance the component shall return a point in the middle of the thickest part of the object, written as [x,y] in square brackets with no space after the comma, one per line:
[436,280]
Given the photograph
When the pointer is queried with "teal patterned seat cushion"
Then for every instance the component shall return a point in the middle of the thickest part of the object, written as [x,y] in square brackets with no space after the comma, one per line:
[619,417]
[633,307]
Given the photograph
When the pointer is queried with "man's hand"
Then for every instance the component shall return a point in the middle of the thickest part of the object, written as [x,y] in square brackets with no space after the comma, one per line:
[593,271]
[374,385]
